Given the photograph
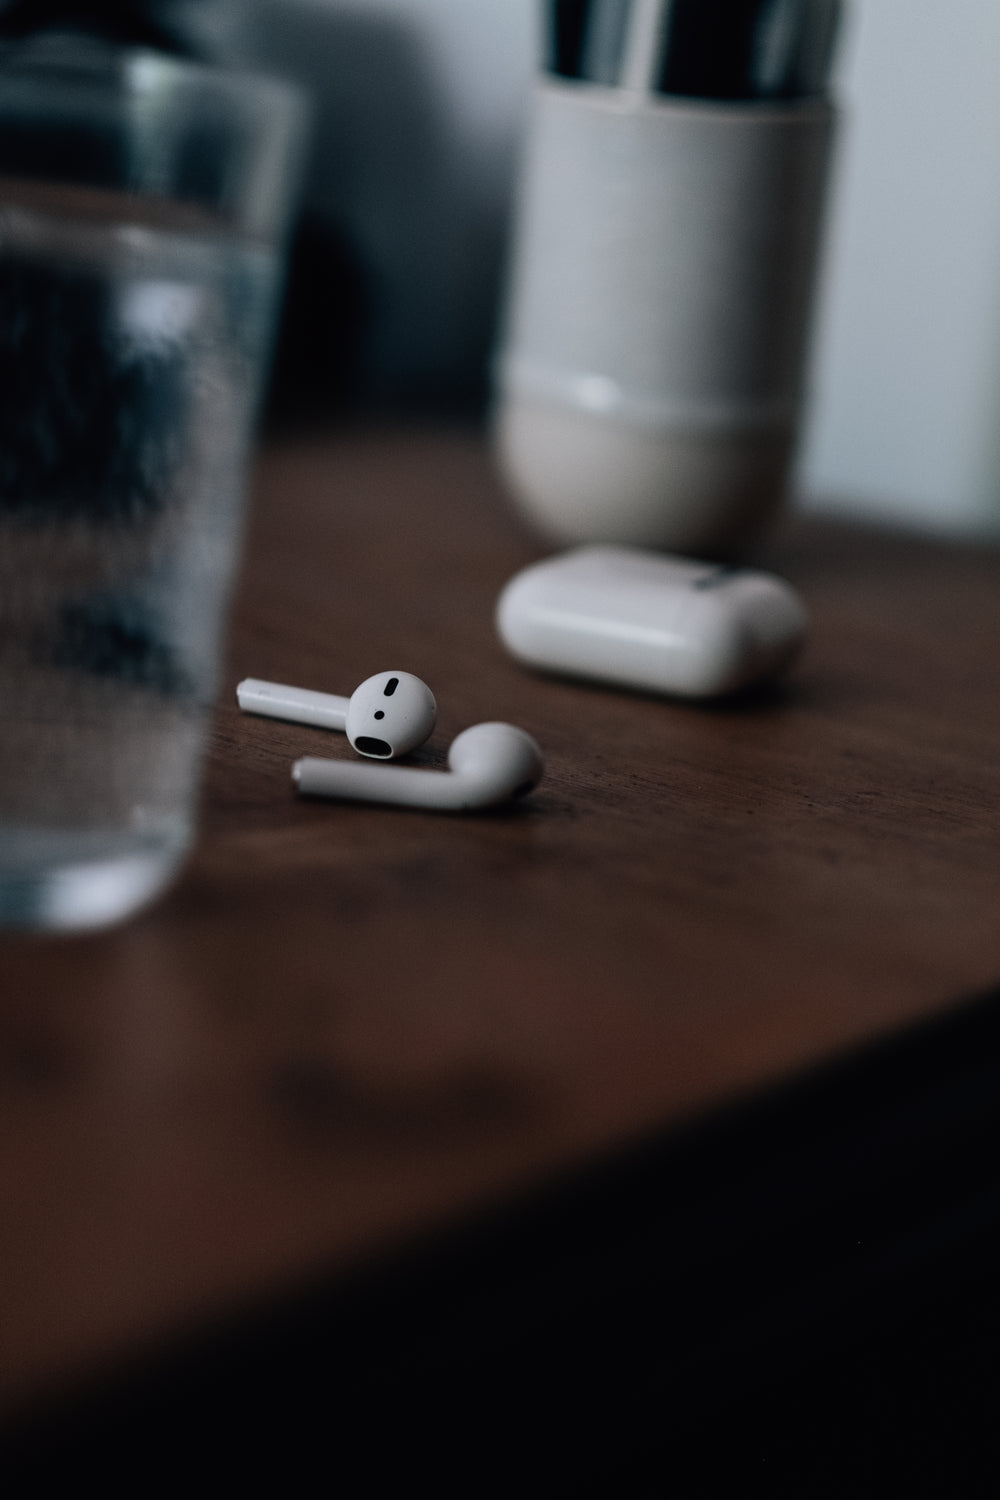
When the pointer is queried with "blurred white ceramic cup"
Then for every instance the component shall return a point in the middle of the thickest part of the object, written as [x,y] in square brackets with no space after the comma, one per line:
[651,371]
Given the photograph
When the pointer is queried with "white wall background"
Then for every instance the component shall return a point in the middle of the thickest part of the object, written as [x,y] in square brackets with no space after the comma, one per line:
[905,415]
[906,390]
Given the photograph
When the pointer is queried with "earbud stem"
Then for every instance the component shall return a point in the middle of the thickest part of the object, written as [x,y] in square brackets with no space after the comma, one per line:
[276,700]
[487,763]
[402,786]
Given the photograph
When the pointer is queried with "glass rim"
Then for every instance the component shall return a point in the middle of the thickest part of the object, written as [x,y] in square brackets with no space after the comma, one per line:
[81,112]
[82,67]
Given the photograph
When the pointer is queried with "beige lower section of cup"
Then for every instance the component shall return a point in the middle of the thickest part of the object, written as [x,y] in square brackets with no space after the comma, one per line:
[582,476]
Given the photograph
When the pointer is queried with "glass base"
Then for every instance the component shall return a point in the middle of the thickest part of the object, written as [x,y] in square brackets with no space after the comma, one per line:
[72,882]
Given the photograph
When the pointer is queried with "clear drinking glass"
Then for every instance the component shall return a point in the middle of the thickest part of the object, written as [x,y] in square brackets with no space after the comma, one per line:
[143,207]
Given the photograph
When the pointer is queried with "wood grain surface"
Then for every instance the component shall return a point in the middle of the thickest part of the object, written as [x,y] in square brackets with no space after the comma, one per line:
[345,1025]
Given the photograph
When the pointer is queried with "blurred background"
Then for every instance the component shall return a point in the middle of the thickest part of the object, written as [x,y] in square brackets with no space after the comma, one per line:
[398,259]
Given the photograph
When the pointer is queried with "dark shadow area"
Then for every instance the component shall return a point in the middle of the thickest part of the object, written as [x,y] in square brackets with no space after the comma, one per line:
[158,24]
[395,268]
[795,1298]
[319,349]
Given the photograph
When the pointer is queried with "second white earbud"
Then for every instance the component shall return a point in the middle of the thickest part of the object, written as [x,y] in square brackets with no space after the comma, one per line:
[488,763]
[388,715]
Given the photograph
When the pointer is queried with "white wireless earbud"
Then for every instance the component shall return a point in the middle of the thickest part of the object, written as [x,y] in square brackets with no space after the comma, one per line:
[488,763]
[389,714]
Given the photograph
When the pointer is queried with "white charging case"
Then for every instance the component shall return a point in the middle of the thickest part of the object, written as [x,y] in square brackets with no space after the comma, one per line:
[652,622]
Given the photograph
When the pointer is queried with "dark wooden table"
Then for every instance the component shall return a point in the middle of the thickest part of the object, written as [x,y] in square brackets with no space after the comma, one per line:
[348,1027]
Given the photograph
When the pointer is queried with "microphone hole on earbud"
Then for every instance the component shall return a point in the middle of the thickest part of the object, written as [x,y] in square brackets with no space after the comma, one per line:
[391,687]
